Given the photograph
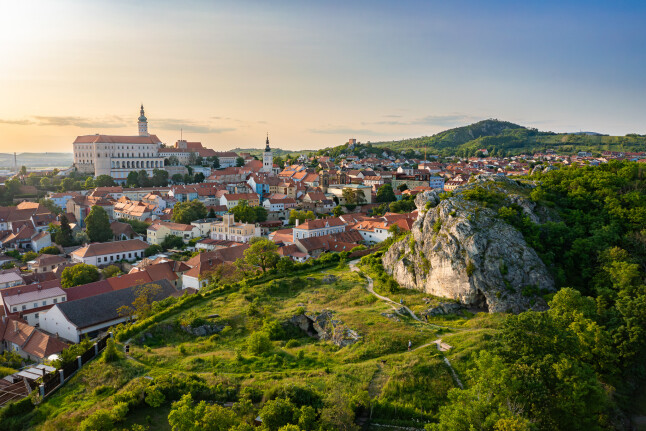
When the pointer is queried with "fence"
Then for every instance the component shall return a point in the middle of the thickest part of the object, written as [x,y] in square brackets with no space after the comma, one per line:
[56,379]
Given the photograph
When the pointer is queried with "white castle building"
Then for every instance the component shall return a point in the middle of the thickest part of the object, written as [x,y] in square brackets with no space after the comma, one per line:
[117,156]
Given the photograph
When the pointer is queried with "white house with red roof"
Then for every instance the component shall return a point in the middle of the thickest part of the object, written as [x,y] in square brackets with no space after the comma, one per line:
[319,227]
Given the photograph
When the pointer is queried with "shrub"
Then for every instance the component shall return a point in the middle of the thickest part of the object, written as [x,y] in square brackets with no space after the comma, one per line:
[292,343]
[258,343]
[52,249]
[470,268]
[110,353]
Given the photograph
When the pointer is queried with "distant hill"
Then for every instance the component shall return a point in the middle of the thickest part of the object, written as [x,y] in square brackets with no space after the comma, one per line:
[37,160]
[277,152]
[503,137]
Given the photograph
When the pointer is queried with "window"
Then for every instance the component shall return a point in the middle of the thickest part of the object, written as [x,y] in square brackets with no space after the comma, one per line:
[24,307]
[36,315]
[15,309]
[63,299]
[44,303]
[55,300]
[35,304]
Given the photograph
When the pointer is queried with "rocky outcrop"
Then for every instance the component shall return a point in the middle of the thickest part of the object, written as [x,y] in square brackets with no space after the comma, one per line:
[461,250]
[324,327]
[203,330]
[444,308]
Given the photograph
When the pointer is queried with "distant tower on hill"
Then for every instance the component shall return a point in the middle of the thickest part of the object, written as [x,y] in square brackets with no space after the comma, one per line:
[143,122]
[267,158]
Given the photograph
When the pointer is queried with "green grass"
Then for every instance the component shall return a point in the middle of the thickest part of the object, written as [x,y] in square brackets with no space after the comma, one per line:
[405,387]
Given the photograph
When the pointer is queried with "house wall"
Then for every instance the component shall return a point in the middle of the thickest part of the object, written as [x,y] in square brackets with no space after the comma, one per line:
[109,258]
[55,322]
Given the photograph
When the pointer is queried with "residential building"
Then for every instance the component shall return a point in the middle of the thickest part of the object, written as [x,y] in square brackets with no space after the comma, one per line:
[319,227]
[87,316]
[337,191]
[99,254]
[41,240]
[27,341]
[205,263]
[10,277]
[159,230]
[231,200]
[230,230]
[46,263]
[28,302]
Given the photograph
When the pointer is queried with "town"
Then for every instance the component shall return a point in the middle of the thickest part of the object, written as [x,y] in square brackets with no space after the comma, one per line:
[134,212]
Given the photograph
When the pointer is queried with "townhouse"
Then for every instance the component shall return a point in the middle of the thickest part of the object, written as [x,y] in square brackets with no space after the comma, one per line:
[99,254]
[159,230]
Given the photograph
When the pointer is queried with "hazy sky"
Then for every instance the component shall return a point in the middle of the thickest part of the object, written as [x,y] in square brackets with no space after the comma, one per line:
[315,73]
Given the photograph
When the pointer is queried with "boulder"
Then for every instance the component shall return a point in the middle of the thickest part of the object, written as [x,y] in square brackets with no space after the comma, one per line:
[461,250]
[323,326]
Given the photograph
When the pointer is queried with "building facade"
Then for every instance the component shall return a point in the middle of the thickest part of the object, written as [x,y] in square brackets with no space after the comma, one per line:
[117,156]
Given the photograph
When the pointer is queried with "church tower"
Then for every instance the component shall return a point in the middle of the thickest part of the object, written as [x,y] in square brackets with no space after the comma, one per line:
[143,123]
[267,158]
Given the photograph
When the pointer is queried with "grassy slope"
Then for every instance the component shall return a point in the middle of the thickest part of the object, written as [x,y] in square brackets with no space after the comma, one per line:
[411,384]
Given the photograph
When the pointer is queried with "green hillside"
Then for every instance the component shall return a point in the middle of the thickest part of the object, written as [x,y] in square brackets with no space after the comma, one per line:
[504,138]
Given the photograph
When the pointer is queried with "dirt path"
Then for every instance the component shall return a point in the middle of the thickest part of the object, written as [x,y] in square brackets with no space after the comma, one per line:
[442,347]
[371,289]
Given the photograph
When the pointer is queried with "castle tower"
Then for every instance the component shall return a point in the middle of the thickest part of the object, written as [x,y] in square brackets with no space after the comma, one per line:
[143,123]
[267,158]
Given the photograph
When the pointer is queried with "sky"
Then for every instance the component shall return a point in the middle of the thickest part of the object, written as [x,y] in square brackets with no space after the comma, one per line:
[314,73]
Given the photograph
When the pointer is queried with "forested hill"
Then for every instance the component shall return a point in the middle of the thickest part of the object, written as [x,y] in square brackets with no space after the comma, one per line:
[504,138]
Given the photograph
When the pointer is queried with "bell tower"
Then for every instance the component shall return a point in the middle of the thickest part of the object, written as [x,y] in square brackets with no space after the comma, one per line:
[267,158]
[142,122]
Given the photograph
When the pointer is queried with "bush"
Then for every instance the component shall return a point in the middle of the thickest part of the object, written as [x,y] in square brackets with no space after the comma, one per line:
[292,343]
[52,249]
[110,353]
[258,343]
[470,268]
[153,250]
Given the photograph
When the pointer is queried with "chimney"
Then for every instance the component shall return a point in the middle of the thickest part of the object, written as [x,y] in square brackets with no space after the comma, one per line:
[297,222]
[15,326]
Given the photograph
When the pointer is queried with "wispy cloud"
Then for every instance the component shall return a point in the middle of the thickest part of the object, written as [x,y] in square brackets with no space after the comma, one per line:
[189,126]
[340,130]
[113,122]
[448,120]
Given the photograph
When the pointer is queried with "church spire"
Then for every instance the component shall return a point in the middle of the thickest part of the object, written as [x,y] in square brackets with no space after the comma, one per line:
[142,122]
[267,143]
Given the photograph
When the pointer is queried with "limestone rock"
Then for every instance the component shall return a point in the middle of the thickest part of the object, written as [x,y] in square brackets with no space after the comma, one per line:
[444,308]
[323,326]
[460,250]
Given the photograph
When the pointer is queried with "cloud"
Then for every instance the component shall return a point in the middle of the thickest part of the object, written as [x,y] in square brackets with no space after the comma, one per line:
[82,122]
[188,126]
[445,120]
[344,131]
[17,122]
[116,122]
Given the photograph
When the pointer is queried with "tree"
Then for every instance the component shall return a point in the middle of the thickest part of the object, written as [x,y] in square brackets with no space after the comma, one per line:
[81,273]
[153,250]
[337,211]
[172,161]
[386,193]
[160,178]
[50,205]
[186,212]
[262,252]
[141,307]
[104,181]
[211,213]
[68,184]
[29,256]
[259,342]
[172,241]
[188,178]
[138,226]
[45,182]
[177,178]
[133,179]
[63,236]
[215,160]
[351,196]
[185,415]
[239,162]
[192,158]
[144,180]
[97,225]
[301,216]
[52,249]
[402,187]
[111,271]
[199,177]
[278,413]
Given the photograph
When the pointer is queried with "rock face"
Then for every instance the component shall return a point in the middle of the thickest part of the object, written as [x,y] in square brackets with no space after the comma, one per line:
[460,250]
[323,326]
